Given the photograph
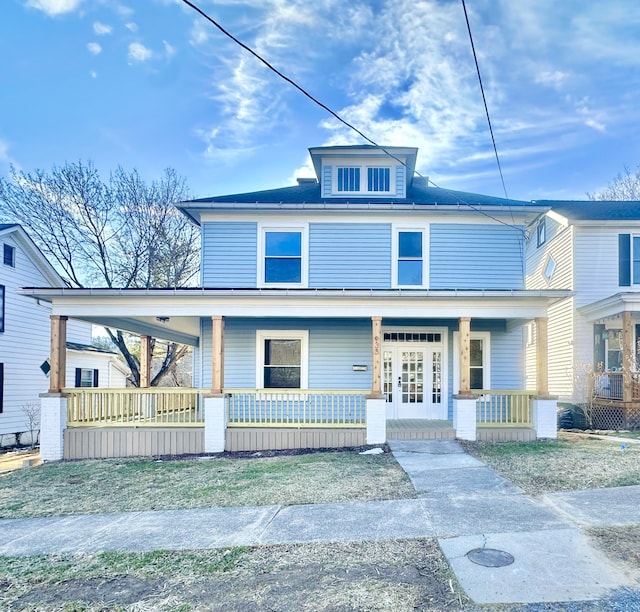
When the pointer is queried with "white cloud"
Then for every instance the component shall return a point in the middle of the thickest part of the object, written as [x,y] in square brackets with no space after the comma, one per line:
[131,26]
[5,158]
[595,125]
[54,7]
[101,28]
[199,33]
[139,53]
[551,78]
[94,74]
[169,50]
[94,48]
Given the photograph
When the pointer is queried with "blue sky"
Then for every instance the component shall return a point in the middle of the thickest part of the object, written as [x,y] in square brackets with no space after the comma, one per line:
[152,85]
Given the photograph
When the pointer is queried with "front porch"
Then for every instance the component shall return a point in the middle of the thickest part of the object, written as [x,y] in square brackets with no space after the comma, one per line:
[104,423]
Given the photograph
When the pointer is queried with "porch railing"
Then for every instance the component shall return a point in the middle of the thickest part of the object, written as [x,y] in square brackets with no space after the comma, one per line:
[499,408]
[156,406]
[609,385]
[297,408]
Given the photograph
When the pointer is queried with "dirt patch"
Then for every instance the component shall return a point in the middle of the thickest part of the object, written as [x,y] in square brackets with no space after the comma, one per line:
[397,575]
[622,544]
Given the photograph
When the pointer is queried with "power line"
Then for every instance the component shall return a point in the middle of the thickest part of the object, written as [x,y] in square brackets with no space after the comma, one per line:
[339,118]
[484,99]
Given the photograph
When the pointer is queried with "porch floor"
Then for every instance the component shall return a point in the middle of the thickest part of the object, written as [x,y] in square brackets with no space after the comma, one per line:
[420,429]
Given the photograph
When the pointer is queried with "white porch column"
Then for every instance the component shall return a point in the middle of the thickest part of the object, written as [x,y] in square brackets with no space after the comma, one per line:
[464,416]
[53,421]
[544,412]
[215,424]
[376,420]
[376,348]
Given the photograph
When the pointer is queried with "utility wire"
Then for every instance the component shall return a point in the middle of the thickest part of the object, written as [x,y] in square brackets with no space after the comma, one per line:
[343,121]
[484,99]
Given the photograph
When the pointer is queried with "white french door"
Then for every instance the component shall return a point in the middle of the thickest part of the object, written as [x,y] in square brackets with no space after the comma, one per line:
[413,381]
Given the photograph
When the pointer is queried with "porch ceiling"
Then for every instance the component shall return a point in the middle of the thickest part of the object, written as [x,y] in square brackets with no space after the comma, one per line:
[140,307]
[612,306]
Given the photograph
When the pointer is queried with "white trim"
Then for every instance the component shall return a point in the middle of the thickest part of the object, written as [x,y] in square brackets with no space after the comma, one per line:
[408,227]
[303,228]
[486,353]
[283,334]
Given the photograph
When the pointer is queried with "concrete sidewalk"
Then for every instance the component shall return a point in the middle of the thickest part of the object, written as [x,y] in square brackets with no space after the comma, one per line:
[460,500]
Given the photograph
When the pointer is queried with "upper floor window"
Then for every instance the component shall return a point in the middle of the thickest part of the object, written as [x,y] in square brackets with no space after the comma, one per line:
[378,179]
[549,268]
[283,256]
[9,255]
[628,260]
[363,179]
[348,179]
[541,232]
[409,247]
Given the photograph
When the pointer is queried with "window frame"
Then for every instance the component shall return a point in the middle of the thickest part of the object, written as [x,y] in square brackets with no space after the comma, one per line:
[303,230]
[485,336]
[9,248]
[94,378]
[634,261]
[549,268]
[282,334]
[395,255]
[1,388]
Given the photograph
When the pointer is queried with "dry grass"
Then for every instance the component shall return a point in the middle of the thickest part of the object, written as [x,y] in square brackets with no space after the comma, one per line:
[93,487]
[401,575]
[622,544]
[566,464]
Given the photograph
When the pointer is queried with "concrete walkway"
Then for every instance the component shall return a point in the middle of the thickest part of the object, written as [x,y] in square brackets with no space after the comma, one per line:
[461,501]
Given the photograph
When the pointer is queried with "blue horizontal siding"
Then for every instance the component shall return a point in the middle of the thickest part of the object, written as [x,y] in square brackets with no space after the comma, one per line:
[507,359]
[334,347]
[400,181]
[350,255]
[470,256]
[229,254]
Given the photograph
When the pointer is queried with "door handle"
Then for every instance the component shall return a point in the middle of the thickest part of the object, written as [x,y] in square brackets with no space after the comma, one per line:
[399,382]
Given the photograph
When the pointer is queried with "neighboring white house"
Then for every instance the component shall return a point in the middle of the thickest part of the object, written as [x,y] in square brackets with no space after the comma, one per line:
[593,249]
[25,330]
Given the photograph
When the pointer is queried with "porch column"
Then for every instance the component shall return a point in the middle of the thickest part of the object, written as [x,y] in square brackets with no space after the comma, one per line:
[464,326]
[145,362]
[627,357]
[376,373]
[58,354]
[217,355]
[542,356]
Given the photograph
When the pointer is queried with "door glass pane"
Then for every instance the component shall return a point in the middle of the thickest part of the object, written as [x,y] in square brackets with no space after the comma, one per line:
[412,377]
[436,378]
[387,375]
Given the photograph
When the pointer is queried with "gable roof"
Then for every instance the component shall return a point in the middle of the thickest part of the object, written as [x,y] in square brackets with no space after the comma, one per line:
[32,251]
[595,210]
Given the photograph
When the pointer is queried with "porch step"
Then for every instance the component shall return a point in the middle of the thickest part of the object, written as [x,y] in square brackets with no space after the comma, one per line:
[420,429]
[506,434]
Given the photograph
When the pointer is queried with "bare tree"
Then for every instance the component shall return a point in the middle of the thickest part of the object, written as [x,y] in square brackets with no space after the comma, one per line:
[625,186]
[122,233]
[31,410]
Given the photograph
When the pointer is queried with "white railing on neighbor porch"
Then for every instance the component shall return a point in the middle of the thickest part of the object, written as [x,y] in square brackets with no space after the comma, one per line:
[500,408]
[156,406]
[295,408]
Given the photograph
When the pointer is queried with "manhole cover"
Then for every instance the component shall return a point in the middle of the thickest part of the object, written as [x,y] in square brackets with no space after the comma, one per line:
[490,557]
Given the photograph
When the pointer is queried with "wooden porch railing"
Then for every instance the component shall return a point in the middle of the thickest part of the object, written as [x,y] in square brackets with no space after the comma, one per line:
[166,406]
[499,408]
[295,408]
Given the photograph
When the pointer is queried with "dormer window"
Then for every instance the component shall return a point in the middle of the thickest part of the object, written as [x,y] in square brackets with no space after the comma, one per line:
[363,180]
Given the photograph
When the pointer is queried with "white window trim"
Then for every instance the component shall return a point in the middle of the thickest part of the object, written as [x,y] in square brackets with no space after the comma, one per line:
[541,232]
[631,262]
[303,228]
[396,229]
[486,351]
[282,334]
[550,262]
[364,182]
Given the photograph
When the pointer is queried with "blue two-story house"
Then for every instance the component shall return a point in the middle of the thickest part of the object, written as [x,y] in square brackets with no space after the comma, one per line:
[359,288]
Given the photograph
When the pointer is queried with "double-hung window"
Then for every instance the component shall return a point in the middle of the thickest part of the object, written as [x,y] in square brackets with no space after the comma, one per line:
[378,179]
[541,232]
[628,260]
[283,256]
[409,247]
[86,377]
[479,360]
[281,359]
